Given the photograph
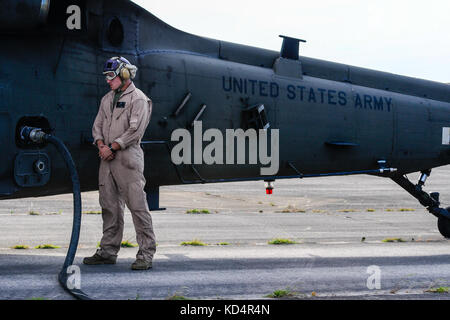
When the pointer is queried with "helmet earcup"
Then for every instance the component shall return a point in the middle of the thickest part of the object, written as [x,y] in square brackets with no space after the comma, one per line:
[125,74]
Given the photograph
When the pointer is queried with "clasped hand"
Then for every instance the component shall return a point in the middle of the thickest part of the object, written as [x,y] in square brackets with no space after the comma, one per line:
[106,154]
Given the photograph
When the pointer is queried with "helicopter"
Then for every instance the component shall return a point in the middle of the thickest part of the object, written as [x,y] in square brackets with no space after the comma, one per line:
[292,117]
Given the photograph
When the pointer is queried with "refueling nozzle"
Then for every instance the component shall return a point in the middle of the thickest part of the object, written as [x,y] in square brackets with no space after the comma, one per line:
[35,135]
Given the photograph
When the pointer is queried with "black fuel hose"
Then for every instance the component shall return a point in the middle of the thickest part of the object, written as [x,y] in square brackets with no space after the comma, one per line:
[63,275]
[36,135]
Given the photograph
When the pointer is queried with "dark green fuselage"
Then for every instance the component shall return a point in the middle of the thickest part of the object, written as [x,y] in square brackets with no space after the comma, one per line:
[331,117]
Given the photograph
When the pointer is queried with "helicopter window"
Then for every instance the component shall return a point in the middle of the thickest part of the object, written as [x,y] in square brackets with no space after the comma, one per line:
[255,117]
[115,32]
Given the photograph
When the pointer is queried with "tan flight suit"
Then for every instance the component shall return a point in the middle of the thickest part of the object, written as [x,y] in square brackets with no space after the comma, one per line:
[121,181]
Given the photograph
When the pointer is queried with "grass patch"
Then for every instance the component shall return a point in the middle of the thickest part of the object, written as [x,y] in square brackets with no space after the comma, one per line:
[281,242]
[177,297]
[223,244]
[21,247]
[55,213]
[438,290]
[292,209]
[400,210]
[46,246]
[280,294]
[92,212]
[318,211]
[35,213]
[197,211]
[347,210]
[128,244]
[39,298]
[195,243]
[370,210]
[393,240]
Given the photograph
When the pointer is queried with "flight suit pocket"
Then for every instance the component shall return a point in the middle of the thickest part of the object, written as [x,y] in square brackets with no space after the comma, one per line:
[121,110]
[130,161]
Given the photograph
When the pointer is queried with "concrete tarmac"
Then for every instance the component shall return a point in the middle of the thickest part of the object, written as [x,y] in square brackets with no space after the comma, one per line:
[339,226]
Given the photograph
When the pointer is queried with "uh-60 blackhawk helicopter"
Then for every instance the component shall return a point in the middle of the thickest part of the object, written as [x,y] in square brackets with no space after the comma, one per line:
[315,118]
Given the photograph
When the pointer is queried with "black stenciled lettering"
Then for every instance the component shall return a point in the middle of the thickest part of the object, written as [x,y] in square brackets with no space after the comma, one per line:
[237,85]
[312,96]
[331,97]
[389,103]
[342,98]
[322,95]
[358,102]
[253,85]
[291,92]
[367,101]
[224,84]
[274,90]
[263,88]
[378,104]
[302,90]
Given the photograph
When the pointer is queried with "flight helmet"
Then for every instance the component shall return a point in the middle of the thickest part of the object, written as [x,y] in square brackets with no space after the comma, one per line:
[119,66]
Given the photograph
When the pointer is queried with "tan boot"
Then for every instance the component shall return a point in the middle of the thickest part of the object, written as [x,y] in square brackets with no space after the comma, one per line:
[97,259]
[140,264]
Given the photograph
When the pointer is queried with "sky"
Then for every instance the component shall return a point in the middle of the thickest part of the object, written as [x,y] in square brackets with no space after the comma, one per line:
[410,38]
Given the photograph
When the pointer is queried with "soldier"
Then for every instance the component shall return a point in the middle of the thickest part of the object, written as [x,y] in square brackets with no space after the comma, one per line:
[122,119]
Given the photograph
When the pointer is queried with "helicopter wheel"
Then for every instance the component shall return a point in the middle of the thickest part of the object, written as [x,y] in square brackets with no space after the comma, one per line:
[444,226]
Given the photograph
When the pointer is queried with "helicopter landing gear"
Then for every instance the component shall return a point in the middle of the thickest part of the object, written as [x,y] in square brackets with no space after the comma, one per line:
[430,201]
[444,226]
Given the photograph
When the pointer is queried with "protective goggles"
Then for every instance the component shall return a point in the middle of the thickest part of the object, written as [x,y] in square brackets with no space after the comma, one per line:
[110,75]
